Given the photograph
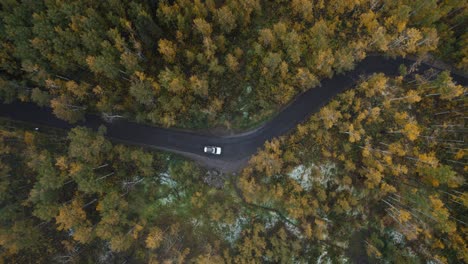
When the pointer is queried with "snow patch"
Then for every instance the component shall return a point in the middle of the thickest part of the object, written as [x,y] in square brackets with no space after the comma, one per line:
[320,261]
[271,221]
[294,230]
[305,176]
[397,237]
[166,200]
[166,179]
[327,170]
[232,232]
[301,175]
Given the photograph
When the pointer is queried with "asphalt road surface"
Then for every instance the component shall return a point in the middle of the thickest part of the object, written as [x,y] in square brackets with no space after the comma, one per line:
[236,149]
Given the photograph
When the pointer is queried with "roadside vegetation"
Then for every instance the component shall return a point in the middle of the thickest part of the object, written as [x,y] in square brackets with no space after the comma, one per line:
[81,199]
[376,175]
[199,64]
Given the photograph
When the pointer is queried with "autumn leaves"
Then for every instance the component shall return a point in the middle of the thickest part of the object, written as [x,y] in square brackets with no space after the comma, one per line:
[396,145]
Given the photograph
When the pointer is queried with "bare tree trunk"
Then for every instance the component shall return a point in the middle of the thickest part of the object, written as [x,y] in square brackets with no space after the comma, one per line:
[105,176]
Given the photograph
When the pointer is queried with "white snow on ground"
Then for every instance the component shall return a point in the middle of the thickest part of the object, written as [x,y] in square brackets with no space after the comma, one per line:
[166,200]
[294,230]
[166,179]
[327,170]
[305,176]
[325,259]
[271,221]
[232,232]
[410,252]
[301,174]
[397,237]
[319,260]
[195,222]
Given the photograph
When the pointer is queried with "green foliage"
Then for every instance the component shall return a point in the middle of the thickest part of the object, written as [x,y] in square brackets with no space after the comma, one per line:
[117,52]
[59,194]
[387,159]
[381,159]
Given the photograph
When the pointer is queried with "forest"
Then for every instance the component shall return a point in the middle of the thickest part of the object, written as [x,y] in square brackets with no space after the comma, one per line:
[198,64]
[376,176]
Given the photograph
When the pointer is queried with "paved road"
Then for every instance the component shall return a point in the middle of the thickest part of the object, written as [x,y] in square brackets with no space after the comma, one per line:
[236,149]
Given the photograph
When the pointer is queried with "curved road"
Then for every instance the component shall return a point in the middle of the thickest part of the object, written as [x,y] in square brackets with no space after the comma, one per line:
[236,149]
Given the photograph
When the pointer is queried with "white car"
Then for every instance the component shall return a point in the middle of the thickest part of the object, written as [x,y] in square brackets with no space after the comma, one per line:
[212,150]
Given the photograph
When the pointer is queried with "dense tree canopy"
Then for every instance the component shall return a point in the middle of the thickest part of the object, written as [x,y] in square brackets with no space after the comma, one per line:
[376,176]
[382,165]
[194,63]
[82,199]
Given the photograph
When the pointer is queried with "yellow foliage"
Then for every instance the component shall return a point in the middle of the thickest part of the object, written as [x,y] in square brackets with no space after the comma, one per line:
[412,96]
[373,178]
[401,117]
[329,116]
[266,37]
[349,165]
[61,163]
[75,168]
[437,204]
[377,84]
[78,90]
[404,216]
[387,188]
[268,160]
[451,91]
[438,244]
[397,148]
[141,75]
[136,231]
[374,114]
[202,26]
[372,251]
[369,21]
[70,215]
[304,8]
[365,152]
[460,154]
[388,159]
[412,131]
[463,198]
[326,153]
[442,214]
[320,231]
[199,85]
[154,238]
[307,230]
[429,158]
[98,90]
[232,63]
[347,180]
[83,234]
[29,138]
